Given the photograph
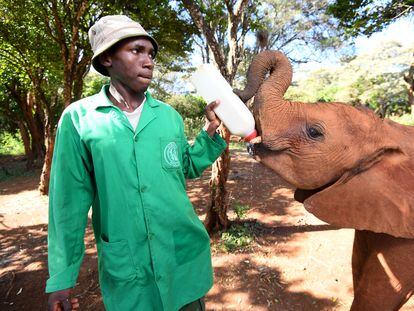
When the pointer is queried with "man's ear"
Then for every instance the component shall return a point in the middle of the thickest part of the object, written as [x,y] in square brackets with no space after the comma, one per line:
[105,59]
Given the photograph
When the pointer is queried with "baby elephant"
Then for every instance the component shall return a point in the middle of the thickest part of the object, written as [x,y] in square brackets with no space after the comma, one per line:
[351,169]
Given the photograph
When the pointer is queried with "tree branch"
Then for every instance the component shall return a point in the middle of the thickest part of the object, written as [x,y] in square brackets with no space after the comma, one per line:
[60,30]
[198,19]
[48,24]
[234,20]
[75,33]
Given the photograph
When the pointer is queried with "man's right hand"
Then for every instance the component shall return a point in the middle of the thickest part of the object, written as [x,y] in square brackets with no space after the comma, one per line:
[61,301]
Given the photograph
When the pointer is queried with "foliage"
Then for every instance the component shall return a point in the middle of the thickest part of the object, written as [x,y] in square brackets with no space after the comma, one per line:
[240,235]
[222,29]
[11,144]
[369,16]
[188,106]
[93,83]
[301,29]
[241,210]
[320,86]
[164,20]
[170,77]
[299,23]
[46,44]
[28,55]
[191,108]
[237,238]
[373,79]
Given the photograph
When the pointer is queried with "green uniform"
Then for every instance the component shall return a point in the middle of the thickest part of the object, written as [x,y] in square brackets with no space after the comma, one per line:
[154,253]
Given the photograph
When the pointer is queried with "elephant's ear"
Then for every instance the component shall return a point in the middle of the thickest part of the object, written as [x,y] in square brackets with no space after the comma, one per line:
[378,198]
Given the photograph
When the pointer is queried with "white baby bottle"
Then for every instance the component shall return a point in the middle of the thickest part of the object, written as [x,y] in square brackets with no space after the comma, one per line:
[211,85]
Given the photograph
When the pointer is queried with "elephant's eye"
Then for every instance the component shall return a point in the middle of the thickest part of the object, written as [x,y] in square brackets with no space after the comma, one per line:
[314,132]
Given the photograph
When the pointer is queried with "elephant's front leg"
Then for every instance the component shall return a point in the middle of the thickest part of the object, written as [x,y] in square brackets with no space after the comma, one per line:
[383,271]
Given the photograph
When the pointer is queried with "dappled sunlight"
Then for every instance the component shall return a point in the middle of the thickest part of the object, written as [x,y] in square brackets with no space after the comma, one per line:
[244,176]
[34,266]
[246,283]
[286,267]
[23,206]
[23,268]
[17,247]
[17,185]
[19,260]
[303,269]
[285,260]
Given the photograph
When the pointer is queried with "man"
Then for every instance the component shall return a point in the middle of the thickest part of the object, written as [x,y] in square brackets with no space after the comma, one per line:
[153,251]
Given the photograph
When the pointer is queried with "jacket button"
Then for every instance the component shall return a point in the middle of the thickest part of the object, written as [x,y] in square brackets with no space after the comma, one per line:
[143,188]
[150,236]
[158,278]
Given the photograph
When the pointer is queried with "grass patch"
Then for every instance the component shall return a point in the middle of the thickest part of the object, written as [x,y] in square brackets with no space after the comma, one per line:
[241,210]
[237,238]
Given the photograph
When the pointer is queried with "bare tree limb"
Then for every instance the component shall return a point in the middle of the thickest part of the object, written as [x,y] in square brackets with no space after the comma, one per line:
[198,19]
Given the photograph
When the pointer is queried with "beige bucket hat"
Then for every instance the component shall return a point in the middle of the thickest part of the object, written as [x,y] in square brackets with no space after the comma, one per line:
[108,31]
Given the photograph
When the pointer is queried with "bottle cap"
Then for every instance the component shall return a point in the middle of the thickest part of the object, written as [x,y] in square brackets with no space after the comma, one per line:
[250,136]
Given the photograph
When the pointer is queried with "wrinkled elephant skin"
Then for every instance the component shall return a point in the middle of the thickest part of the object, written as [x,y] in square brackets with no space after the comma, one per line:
[351,169]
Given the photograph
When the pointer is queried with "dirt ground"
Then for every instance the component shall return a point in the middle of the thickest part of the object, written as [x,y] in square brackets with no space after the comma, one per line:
[295,261]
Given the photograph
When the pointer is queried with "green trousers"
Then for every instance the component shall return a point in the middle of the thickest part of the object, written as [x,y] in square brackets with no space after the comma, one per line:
[197,305]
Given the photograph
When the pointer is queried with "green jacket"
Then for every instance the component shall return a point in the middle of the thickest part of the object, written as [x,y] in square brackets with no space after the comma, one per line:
[153,251]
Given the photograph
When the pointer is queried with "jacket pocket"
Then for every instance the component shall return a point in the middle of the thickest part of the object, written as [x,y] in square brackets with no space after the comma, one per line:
[117,260]
[170,150]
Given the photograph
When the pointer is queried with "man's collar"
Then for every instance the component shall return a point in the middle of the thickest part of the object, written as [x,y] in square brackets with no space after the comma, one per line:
[102,99]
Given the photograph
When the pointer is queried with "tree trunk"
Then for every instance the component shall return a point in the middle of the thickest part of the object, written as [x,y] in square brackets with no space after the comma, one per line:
[27,146]
[410,90]
[81,71]
[47,164]
[36,133]
[26,103]
[409,79]
[227,59]
[411,98]
[67,89]
[216,218]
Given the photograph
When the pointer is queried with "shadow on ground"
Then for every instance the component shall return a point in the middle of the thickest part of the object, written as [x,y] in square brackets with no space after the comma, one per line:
[23,262]
[23,256]
[23,253]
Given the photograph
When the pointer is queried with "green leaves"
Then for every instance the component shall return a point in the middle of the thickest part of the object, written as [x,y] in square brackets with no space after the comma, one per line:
[368,16]
[191,108]
[373,79]
[299,25]
[237,238]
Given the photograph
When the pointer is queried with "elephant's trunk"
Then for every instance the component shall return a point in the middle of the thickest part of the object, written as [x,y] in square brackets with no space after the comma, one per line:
[280,76]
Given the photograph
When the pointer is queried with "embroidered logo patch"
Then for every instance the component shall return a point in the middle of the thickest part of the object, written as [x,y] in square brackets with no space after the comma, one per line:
[171,155]
[114,115]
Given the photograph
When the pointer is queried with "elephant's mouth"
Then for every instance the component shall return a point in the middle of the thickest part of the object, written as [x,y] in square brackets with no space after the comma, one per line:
[302,194]
[256,146]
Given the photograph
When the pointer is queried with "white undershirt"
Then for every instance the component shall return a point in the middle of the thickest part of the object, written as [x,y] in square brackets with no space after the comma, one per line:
[134,116]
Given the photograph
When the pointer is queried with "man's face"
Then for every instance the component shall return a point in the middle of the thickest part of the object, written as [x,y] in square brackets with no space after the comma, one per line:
[132,63]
